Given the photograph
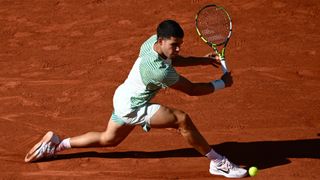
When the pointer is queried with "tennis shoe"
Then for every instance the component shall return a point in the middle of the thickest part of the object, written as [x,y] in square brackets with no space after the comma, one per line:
[227,169]
[44,148]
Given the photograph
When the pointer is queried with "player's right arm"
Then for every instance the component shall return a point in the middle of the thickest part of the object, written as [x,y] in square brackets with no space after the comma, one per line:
[198,89]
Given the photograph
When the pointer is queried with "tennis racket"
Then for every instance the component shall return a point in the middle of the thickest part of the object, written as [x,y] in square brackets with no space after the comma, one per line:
[214,26]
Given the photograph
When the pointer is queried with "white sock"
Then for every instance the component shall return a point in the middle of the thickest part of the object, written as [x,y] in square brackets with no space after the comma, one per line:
[214,156]
[65,144]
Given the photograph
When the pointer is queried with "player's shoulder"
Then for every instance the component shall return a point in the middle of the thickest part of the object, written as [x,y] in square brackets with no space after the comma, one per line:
[147,46]
[151,39]
[150,60]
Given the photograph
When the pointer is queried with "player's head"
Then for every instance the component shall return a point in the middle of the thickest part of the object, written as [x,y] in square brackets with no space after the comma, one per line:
[170,37]
[169,28]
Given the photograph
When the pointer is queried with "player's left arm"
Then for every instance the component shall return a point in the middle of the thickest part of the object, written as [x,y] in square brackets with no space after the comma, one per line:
[209,59]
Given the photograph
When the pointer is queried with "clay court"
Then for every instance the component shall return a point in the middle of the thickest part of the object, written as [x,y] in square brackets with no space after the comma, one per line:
[61,61]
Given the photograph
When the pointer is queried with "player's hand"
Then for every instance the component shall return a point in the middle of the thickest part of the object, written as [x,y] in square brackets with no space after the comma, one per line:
[214,59]
[227,79]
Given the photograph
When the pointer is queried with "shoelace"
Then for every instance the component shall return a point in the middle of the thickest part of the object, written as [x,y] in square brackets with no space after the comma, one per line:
[226,164]
[229,164]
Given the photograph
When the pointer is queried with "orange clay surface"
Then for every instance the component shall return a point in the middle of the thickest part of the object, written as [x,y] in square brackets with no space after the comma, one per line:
[61,60]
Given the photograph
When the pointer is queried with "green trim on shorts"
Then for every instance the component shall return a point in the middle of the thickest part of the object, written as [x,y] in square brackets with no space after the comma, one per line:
[146,127]
[117,119]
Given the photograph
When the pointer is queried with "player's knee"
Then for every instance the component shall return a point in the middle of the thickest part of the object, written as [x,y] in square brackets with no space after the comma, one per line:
[109,141]
[184,120]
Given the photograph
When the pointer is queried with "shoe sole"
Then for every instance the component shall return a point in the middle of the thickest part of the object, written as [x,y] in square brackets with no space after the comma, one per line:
[227,175]
[32,155]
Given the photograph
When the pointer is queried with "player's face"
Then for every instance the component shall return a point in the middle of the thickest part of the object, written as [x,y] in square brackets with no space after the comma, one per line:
[171,47]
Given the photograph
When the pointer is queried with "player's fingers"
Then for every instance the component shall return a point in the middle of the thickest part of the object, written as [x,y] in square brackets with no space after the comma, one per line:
[208,55]
[215,63]
[215,60]
[211,55]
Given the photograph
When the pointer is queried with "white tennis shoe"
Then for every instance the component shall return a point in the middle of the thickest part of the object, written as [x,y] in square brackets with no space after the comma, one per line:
[44,148]
[227,169]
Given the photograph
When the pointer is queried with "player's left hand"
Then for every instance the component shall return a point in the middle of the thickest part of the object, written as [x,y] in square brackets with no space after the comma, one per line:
[227,79]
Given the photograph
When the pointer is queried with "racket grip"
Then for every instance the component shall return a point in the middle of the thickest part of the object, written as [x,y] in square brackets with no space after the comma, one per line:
[223,65]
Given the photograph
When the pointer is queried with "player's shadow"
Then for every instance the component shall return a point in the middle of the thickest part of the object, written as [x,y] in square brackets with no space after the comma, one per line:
[264,154]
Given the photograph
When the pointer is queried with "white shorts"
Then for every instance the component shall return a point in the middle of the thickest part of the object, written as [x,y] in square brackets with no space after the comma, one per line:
[140,116]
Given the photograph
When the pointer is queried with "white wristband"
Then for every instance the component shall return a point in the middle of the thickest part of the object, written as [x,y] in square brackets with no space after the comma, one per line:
[218,84]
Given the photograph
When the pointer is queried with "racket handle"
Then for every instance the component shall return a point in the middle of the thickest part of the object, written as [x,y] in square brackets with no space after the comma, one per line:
[223,65]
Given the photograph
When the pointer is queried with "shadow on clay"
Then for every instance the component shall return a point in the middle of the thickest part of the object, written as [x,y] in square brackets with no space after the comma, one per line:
[263,154]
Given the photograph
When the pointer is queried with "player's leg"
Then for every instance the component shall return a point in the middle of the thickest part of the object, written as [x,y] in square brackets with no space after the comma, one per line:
[50,143]
[112,136]
[172,118]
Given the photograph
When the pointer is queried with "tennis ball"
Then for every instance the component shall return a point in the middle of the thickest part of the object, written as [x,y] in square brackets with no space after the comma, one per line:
[253,171]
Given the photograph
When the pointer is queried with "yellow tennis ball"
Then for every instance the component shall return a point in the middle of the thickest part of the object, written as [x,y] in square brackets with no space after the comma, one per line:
[253,171]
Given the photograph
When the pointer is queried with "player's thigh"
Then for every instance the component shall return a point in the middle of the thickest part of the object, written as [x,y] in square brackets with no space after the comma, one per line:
[166,117]
[116,132]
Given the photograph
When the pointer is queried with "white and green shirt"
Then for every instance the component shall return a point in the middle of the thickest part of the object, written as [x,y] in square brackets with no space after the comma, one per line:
[148,75]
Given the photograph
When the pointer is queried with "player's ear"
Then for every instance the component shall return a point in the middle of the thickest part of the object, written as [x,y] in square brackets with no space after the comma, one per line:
[160,40]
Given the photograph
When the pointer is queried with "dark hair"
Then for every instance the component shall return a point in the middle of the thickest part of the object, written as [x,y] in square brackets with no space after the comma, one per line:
[169,28]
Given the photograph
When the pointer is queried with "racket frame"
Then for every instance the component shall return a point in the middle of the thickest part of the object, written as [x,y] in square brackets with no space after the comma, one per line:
[213,45]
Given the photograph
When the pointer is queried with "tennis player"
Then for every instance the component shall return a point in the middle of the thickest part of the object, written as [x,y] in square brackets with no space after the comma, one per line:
[152,71]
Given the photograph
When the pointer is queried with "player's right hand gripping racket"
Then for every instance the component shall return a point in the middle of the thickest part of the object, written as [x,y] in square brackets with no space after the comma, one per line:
[214,26]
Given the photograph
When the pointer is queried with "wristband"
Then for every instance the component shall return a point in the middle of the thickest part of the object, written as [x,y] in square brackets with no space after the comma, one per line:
[218,84]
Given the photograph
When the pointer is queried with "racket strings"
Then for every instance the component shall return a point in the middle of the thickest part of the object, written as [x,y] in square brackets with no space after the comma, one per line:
[214,24]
